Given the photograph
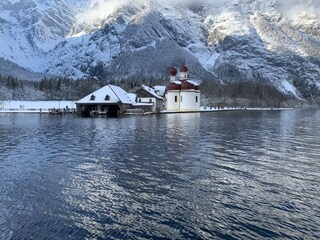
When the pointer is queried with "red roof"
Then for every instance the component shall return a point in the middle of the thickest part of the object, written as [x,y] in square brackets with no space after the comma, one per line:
[173,71]
[173,86]
[186,85]
[184,69]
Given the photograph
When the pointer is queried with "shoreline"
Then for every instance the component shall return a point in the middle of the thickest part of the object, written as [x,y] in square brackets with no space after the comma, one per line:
[226,109]
[47,111]
[36,107]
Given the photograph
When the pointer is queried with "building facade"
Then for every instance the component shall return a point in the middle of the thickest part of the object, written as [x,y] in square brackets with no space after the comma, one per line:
[181,94]
[149,99]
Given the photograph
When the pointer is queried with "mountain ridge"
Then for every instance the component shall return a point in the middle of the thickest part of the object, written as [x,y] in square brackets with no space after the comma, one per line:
[244,40]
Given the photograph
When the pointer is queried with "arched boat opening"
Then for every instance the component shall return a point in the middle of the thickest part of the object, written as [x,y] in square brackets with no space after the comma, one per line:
[113,111]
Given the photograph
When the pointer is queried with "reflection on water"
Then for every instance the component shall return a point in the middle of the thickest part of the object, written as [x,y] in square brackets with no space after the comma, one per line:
[227,175]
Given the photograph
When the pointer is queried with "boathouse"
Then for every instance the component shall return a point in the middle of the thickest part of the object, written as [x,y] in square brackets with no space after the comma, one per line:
[181,94]
[109,100]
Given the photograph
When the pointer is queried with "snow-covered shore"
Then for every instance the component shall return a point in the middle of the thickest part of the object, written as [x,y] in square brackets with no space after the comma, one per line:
[208,109]
[34,106]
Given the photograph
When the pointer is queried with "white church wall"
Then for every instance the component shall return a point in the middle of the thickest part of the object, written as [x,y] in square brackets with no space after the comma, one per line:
[189,101]
[173,100]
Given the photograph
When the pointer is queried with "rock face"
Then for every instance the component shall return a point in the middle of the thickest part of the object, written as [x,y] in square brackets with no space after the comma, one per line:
[244,40]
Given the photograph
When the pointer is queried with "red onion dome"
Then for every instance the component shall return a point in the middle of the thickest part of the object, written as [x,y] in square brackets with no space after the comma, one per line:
[187,86]
[184,69]
[173,71]
[173,86]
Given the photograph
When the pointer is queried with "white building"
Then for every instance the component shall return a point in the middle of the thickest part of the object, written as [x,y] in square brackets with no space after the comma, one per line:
[149,99]
[182,95]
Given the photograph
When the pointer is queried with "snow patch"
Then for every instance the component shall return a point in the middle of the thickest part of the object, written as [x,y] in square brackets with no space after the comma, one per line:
[290,88]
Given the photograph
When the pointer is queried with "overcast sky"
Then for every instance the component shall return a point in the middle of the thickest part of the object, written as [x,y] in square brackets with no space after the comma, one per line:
[290,8]
[99,9]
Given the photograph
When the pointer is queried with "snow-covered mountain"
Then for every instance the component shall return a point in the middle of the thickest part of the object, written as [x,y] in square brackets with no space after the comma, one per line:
[275,42]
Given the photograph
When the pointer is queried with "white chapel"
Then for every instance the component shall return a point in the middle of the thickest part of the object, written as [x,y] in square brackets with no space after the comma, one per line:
[182,94]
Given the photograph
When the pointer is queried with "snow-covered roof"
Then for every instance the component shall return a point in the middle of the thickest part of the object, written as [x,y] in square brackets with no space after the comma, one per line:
[193,82]
[152,91]
[108,94]
[132,96]
[177,82]
[160,89]
[142,104]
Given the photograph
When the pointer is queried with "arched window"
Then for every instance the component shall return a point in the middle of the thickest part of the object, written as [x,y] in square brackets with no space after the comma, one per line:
[93,97]
[107,98]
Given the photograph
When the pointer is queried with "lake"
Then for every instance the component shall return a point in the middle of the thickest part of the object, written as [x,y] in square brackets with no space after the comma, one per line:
[220,175]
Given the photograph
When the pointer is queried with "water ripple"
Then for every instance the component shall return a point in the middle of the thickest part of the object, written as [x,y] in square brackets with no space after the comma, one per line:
[230,175]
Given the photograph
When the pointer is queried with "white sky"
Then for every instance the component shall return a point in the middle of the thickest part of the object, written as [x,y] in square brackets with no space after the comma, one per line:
[292,8]
[99,9]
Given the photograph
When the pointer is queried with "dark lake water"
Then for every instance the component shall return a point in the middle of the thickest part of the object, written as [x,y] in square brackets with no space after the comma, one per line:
[227,175]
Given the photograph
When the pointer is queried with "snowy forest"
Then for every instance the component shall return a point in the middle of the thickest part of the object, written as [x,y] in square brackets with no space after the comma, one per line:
[233,94]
